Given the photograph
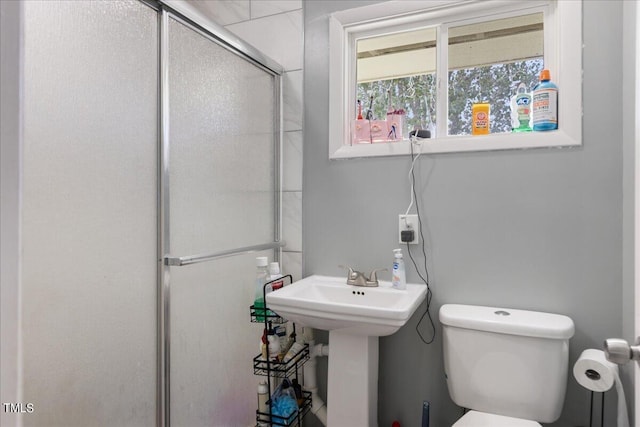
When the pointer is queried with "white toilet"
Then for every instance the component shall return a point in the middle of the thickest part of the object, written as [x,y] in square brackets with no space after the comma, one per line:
[509,367]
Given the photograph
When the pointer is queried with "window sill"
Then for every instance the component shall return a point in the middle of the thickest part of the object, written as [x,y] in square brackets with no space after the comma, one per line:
[463,143]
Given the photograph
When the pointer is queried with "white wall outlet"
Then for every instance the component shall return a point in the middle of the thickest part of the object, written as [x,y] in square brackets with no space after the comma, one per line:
[408,222]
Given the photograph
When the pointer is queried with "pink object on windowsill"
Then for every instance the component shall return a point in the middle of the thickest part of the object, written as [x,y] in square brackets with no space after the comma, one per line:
[370,131]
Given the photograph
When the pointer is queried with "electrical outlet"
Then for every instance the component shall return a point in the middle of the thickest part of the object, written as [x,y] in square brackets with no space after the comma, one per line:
[408,222]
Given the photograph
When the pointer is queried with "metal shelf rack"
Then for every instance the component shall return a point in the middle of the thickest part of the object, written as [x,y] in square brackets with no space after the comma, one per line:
[278,369]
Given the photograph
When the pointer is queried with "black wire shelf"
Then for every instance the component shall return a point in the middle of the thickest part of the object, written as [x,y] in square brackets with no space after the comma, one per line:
[279,369]
[258,315]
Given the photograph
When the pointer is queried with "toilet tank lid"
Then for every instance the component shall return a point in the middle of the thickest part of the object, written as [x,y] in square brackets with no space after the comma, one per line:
[507,321]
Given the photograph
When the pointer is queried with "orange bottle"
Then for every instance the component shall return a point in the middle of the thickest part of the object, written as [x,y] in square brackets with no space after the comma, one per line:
[480,119]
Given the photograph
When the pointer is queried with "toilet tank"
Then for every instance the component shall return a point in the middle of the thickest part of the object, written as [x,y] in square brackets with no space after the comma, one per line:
[505,361]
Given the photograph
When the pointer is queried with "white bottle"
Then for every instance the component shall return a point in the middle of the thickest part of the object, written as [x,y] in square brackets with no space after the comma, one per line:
[398,280]
[262,277]
[274,345]
[274,272]
[263,396]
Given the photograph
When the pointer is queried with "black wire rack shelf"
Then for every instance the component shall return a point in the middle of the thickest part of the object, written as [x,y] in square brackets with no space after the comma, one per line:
[258,315]
[281,369]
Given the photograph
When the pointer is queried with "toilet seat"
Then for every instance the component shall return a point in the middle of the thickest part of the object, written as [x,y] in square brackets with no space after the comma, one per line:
[482,419]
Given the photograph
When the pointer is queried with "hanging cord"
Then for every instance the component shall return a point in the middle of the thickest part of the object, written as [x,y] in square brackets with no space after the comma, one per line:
[412,179]
[425,279]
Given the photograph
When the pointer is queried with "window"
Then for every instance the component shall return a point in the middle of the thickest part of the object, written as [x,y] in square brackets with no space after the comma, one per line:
[398,69]
[487,62]
[422,65]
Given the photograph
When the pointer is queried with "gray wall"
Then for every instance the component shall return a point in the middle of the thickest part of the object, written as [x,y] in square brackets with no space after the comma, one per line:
[537,229]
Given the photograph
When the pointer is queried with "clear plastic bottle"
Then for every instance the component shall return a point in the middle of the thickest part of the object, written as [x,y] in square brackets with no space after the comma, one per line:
[545,103]
[398,280]
[274,274]
[262,277]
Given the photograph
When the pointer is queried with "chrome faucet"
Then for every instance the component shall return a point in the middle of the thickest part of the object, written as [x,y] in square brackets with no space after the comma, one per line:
[357,278]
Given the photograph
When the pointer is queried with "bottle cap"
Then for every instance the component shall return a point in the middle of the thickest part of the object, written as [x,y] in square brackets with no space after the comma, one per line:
[262,388]
[545,75]
[262,261]
[397,253]
[274,268]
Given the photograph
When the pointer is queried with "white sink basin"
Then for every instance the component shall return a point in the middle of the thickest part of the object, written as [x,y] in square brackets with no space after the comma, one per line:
[328,303]
[355,317]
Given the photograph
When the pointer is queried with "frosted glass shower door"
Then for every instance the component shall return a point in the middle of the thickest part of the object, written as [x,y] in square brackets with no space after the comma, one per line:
[89,234]
[223,180]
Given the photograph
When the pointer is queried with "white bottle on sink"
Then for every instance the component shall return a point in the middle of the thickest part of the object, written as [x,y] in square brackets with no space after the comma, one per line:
[398,278]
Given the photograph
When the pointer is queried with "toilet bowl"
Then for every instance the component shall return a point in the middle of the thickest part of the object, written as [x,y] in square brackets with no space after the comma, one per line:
[508,366]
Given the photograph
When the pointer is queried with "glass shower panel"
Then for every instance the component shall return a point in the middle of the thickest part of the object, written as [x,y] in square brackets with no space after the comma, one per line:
[89,229]
[213,343]
[222,147]
[222,196]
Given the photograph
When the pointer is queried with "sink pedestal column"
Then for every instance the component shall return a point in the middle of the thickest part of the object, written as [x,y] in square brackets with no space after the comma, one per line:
[352,386]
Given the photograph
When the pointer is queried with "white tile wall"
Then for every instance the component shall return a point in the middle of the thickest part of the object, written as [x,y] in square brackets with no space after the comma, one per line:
[277,36]
[265,8]
[223,12]
[292,161]
[292,100]
[275,27]
[293,263]
[292,220]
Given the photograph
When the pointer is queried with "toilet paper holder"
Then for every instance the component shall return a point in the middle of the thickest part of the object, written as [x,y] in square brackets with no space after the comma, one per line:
[596,372]
[619,351]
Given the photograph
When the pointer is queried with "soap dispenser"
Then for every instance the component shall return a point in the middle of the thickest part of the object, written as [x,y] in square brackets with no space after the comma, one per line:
[398,279]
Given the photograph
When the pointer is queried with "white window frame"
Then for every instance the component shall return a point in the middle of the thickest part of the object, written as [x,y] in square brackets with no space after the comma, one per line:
[562,55]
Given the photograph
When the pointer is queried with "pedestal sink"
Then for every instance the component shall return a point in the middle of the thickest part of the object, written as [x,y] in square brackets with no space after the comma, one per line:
[355,317]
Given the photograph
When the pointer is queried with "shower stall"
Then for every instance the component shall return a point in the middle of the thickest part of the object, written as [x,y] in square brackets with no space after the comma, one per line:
[151,174]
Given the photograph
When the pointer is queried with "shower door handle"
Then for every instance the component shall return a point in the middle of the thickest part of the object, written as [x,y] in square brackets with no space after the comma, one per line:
[194,259]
